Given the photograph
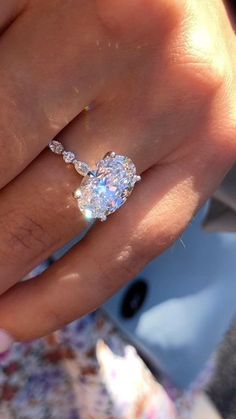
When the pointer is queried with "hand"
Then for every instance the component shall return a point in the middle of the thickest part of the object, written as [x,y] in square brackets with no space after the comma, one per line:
[160,78]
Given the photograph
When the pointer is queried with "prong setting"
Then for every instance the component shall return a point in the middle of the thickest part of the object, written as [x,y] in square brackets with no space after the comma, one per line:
[92,173]
[111,154]
[77,193]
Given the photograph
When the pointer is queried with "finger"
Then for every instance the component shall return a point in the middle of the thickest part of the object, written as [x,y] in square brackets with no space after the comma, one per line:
[38,213]
[9,11]
[60,56]
[43,214]
[113,252]
[124,126]
[50,69]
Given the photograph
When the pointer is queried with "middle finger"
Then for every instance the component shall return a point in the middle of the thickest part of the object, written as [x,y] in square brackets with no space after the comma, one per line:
[50,70]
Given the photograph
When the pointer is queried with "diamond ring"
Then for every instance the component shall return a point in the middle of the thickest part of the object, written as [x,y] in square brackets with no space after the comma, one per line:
[105,188]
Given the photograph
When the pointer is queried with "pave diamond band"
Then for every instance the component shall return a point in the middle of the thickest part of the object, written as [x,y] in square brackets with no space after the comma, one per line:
[103,189]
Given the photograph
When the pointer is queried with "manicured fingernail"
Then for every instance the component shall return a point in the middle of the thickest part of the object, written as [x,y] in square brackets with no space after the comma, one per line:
[6,341]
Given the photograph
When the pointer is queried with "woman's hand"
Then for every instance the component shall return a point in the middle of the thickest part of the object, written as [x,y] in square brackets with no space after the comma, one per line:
[159,76]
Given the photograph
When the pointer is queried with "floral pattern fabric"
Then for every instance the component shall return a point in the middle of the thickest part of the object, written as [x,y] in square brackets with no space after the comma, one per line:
[86,371]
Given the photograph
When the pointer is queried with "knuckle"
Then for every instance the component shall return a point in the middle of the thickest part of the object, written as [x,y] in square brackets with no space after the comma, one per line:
[145,245]
[127,263]
[202,74]
[134,257]
[53,317]
[132,260]
[133,18]
[23,233]
[198,55]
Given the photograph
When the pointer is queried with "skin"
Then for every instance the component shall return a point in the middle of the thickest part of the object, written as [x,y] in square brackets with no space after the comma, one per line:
[160,78]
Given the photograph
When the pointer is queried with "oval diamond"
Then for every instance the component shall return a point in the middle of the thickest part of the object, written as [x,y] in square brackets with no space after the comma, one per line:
[107,189]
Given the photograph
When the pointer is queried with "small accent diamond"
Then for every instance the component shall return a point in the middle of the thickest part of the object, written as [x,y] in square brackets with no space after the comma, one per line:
[81,167]
[56,147]
[68,156]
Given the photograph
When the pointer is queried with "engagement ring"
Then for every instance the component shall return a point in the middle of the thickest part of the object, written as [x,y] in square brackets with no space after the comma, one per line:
[103,189]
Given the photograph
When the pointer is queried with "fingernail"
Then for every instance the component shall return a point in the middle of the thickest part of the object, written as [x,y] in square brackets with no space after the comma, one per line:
[6,341]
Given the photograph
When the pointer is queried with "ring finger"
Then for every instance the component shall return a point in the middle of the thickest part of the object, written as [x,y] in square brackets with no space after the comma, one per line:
[43,214]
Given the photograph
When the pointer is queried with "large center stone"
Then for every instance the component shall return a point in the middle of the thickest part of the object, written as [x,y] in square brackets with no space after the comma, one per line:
[107,189]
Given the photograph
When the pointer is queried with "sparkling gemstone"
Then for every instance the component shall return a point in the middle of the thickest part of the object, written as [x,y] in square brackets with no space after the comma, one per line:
[68,156]
[108,188]
[56,147]
[81,167]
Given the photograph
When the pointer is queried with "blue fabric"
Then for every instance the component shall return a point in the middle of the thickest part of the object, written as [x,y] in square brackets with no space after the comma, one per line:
[190,303]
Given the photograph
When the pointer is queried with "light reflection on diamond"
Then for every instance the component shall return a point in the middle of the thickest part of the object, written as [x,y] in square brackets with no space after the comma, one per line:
[107,190]
[88,214]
